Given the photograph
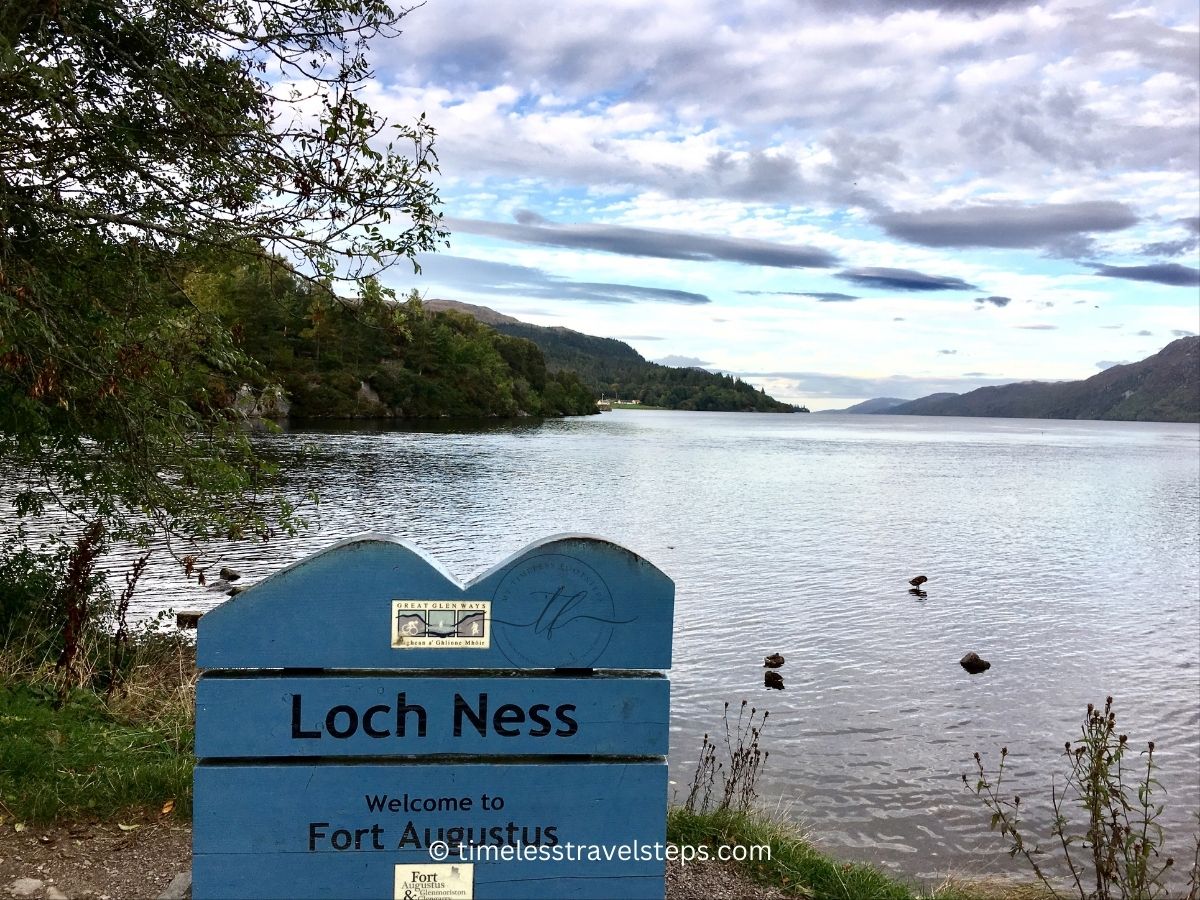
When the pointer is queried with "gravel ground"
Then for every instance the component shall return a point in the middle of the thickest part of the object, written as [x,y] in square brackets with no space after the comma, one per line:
[99,861]
[93,861]
[715,881]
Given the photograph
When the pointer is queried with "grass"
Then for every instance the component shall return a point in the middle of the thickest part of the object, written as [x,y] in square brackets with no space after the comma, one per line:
[798,868]
[96,756]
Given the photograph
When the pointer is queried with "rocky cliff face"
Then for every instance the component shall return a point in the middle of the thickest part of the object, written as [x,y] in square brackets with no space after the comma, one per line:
[269,403]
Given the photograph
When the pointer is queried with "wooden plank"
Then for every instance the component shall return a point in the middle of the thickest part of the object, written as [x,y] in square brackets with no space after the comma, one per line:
[377,603]
[386,715]
[339,830]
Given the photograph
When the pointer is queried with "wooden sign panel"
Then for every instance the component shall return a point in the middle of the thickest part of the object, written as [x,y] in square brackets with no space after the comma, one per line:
[391,715]
[568,602]
[346,831]
[369,727]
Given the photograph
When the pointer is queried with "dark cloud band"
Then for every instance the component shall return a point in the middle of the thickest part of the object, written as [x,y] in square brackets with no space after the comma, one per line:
[1187,244]
[1048,226]
[1171,274]
[530,228]
[823,296]
[903,280]
[482,276]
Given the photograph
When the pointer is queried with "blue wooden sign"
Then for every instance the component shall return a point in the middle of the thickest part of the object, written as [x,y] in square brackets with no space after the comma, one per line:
[368,727]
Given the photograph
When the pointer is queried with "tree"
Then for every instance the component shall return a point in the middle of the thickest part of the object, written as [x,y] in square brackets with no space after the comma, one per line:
[143,139]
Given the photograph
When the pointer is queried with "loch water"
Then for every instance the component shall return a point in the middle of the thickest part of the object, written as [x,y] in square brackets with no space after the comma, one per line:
[1066,553]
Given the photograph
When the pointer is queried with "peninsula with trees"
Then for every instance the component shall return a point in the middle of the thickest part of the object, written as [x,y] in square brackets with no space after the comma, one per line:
[613,369]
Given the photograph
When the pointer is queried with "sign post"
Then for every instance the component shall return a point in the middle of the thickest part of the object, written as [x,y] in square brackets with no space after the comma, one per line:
[367,727]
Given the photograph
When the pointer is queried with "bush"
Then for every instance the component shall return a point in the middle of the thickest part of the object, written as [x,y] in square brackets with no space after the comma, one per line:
[61,626]
[28,583]
[41,610]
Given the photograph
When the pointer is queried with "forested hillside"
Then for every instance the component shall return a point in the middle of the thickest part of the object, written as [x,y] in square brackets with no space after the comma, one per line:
[613,369]
[373,358]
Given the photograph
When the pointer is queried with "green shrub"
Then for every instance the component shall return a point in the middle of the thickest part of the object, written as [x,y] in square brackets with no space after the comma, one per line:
[34,608]
[28,583]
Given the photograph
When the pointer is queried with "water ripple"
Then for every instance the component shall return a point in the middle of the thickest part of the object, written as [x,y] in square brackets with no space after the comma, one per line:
[1067,553]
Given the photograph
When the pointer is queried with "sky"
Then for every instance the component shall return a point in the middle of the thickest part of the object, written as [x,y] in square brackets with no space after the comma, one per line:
[833,200]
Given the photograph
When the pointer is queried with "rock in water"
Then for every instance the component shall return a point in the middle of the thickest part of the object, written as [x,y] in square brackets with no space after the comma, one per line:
[973,664]
[918,581]
[230,574]
[773,680]
[774,661]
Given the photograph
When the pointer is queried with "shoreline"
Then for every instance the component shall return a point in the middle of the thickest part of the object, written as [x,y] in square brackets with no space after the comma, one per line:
[147,856]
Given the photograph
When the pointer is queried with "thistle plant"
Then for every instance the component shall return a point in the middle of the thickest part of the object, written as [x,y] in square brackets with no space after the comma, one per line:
[1114,849]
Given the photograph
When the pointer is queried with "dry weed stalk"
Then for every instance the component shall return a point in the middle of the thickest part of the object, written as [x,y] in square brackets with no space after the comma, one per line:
[738,772]
[1115,852]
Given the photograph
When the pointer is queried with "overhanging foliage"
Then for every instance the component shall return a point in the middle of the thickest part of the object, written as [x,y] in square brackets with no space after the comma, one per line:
[143,141]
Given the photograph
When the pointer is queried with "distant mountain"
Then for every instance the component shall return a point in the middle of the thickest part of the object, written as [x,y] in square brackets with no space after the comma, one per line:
[877,405]
[615,370]
[931,398]
[1164,387]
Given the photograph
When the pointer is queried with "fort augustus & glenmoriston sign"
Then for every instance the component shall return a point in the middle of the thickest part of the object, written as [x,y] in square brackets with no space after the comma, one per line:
[367,727]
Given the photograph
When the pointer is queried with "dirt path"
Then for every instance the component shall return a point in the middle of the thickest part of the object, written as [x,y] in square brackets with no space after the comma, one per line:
[100,861]
[93,861]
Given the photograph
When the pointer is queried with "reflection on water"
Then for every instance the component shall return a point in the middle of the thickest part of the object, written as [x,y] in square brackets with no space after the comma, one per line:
[1065,553]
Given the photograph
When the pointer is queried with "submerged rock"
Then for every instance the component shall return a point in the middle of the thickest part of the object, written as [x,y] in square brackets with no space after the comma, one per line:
[230,574]
[974,664]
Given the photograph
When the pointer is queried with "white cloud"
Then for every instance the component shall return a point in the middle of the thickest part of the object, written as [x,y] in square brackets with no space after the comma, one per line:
[803,123]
